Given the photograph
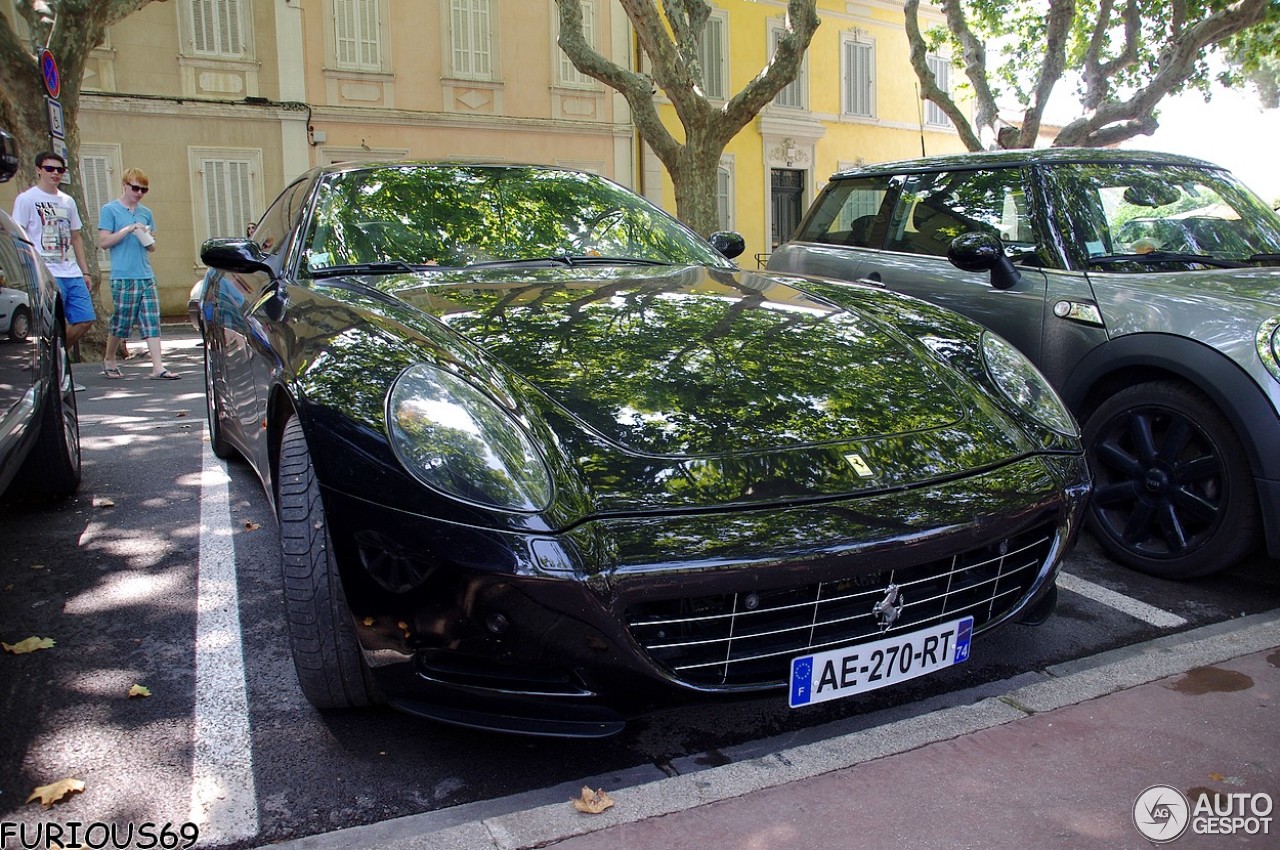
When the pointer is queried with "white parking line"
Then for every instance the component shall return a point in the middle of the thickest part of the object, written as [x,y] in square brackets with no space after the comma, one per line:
[224,801]
[1120,602]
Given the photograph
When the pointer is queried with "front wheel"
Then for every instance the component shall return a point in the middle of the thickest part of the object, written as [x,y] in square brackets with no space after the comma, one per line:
[326,653]
[217,439]
[1173,496]
[20,327]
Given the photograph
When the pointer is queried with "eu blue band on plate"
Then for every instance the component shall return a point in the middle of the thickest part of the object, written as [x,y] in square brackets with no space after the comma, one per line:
[801,680]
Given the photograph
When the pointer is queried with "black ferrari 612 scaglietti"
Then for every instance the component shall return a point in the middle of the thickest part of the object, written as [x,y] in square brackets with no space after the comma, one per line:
[544,459]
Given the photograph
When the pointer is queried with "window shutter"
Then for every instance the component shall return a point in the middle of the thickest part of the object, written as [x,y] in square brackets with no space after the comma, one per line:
[568,73]
[95,177]
[228,196]
[712,58]
[933,113]
[859,79]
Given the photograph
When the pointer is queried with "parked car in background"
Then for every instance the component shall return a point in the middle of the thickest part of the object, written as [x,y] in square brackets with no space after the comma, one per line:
[15,312]
[544,458]
[39,423]
[1145,287]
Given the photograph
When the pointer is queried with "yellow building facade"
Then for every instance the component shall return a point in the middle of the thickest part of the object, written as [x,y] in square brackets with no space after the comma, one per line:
[222,102]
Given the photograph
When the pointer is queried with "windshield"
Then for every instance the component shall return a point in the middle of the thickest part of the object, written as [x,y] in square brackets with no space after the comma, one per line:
[1143,213]
[452,216]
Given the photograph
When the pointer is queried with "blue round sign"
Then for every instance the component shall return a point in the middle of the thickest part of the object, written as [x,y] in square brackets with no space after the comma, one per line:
[49,71]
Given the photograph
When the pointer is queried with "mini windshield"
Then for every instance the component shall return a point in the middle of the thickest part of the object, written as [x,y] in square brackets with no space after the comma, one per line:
[1134,217]
[453,216]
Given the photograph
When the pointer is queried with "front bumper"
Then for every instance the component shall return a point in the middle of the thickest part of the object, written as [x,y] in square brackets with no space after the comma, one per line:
[573,633]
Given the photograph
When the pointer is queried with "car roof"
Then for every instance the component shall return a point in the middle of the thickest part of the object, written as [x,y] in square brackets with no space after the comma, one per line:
[1021,157]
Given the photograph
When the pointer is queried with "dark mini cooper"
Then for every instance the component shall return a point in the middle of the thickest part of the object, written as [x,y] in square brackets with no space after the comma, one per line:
[1145,287]
[543,458]
[39,423]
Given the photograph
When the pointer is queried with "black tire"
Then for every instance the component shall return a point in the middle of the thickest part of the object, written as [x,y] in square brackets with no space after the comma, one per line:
[217,440]
[326,653]
[52,469]
[1173,495]
[20,327]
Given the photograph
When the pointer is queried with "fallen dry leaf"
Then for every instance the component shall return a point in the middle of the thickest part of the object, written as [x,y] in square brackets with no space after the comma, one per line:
[250,525]
[368,621]
[592,802]
[103,502]
[139,691]
[181,413]
[50,794]
[31,644]
[37,566]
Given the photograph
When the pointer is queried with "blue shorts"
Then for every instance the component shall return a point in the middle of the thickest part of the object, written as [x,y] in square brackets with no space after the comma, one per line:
[136,304]
[77,304]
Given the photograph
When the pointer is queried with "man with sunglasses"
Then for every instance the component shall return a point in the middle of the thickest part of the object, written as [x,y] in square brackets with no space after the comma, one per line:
[52,222]
[126,228]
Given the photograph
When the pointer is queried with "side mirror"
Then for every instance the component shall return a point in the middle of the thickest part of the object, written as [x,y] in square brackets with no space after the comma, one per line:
[728,243]
[982,252]
[242,256]
[8,157]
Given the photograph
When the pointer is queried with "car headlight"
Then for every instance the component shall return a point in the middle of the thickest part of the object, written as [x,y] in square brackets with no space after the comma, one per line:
[1023,385]
[1269,345]
[455,439]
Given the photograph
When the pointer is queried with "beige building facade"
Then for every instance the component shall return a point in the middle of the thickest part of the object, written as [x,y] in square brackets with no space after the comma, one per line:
[222,102]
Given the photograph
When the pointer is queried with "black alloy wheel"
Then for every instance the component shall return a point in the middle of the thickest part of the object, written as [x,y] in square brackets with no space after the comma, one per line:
[326,653]
[1173,496]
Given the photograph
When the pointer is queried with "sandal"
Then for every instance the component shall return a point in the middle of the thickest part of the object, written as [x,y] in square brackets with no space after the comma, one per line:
[166,375]
[112,372]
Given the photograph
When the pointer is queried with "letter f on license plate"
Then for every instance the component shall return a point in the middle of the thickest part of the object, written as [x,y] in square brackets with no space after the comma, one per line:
[851,670]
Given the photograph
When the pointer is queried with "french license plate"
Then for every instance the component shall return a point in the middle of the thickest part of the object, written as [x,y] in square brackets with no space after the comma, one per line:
[838,673]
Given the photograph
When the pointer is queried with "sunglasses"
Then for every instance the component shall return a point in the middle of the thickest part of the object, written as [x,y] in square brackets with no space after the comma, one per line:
[142,189]
[54,169]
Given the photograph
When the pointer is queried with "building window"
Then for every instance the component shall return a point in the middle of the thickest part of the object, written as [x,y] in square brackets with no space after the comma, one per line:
[568,74]
[357,32]
[97,176]
[218,27]
[724,197]
[228,195]
[471,37]
[933,114]
[796,94]
[712,52]
[858,79]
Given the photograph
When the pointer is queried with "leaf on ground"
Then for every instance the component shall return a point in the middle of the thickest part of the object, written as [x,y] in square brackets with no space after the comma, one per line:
[592,802]
[31,644]
[181,413]
[37,566]
[103,502]
[368,621]
[250,525]
[139,691]
[50,794]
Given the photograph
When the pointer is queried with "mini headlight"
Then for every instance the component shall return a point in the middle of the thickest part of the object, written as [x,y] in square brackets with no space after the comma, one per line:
[1023,385]
[456,440]
[1269,345]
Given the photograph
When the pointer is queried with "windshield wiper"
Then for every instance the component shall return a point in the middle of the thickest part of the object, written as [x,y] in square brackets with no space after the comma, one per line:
[1157,257]
[387,267]
[565,260]
[1262,258]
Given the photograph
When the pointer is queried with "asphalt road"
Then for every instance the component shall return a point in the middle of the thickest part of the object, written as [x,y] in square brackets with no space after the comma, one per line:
[163,572]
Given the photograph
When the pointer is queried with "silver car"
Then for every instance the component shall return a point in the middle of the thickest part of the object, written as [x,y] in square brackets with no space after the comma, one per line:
[1145,286]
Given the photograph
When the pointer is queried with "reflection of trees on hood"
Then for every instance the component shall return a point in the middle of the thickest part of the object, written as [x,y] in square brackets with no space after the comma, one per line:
[675,369]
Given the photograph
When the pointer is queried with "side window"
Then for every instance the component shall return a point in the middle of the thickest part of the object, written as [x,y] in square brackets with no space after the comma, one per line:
[274,227]
[935,208]
[851,212]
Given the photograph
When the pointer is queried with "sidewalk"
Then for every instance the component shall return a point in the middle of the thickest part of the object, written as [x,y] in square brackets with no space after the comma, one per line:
[1056,763]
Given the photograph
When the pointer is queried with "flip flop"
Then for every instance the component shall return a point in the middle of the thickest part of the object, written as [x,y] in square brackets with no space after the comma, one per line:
[112,372]
[166,375]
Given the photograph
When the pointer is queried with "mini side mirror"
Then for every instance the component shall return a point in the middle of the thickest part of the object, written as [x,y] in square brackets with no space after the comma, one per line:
[982,252]
[728,243]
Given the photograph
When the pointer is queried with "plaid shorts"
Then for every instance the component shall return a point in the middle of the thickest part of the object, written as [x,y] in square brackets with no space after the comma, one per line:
[136,304]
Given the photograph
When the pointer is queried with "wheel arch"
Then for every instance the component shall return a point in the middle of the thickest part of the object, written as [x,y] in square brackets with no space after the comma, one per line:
[1139,358]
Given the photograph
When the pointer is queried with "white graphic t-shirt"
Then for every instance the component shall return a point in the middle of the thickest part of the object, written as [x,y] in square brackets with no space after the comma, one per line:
[49,221]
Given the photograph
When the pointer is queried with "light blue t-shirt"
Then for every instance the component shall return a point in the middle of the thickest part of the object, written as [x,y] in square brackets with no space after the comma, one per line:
[129,259]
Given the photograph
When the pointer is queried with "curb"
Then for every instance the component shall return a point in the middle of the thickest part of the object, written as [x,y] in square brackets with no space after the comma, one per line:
[537,819]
